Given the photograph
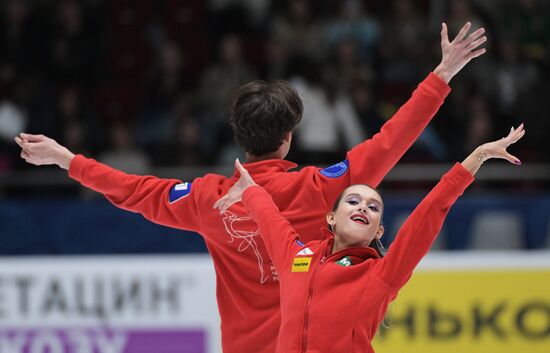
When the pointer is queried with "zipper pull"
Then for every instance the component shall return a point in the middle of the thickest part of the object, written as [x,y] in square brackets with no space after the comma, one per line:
[323,260]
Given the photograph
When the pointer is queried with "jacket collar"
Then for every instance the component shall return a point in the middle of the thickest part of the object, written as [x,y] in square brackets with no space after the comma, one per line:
[362,252]
[268,166]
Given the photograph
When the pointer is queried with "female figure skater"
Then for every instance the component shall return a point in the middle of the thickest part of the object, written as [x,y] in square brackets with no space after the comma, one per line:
[335,291]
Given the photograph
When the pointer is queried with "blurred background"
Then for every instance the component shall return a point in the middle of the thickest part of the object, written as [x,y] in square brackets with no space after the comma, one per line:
[145,86]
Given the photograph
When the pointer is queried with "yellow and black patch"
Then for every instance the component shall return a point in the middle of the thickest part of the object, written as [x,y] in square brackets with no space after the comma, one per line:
[301,264]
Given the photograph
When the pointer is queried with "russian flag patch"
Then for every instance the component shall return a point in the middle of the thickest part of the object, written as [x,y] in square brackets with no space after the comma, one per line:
[179,191]
[304,251]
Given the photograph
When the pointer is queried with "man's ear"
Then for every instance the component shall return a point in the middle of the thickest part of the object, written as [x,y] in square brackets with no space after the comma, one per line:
[288,136]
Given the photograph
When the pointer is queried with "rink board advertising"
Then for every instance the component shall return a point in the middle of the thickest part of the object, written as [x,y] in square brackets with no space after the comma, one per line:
[495,305]
[108,305]
[475,303]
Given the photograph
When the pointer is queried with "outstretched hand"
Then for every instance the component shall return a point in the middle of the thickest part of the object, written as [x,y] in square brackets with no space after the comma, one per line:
[497,149]
[42,150]
[235,193]
[460,51]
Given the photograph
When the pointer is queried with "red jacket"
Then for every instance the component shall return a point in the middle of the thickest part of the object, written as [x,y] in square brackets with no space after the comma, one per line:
[335,302]
[247,289]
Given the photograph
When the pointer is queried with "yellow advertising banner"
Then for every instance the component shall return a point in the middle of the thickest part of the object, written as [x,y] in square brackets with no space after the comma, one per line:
[470,311]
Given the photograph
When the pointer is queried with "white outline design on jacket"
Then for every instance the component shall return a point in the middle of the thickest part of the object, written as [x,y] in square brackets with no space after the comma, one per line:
[247,239]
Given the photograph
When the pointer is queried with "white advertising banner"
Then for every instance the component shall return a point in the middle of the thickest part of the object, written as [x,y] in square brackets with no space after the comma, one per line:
[455,302]
[108,305]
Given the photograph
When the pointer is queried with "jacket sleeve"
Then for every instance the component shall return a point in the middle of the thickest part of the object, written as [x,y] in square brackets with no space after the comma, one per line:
[164,201]
[371,160]
[277,232]
[417,234]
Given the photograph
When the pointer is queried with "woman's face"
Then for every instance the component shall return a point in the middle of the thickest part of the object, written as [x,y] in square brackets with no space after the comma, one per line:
[356,221]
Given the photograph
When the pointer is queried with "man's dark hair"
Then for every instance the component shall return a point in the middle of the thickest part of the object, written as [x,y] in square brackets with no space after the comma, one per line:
[263,113]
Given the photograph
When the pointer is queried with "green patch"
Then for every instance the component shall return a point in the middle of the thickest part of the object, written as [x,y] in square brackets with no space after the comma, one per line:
[345,261]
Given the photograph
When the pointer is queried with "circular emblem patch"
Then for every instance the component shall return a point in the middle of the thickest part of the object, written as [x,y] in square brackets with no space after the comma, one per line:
[336,170]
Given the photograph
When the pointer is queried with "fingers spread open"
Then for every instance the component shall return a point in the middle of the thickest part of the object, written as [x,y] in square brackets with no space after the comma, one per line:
[474,35]
[463,31]
[476,53]
[476,43]
[519,129]
[516,136]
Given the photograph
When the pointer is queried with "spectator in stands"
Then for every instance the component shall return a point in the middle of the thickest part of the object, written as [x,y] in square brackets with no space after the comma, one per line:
[479,124]
[355,24]
[300,30]
[404,43]
[216,89]
[275,66]
[182,146]
[44,47]
[73,52]
[156,122]
[329,124]
[530,20]
[123,154]
[76,124]
[345,67]
[17,40]
[463,10]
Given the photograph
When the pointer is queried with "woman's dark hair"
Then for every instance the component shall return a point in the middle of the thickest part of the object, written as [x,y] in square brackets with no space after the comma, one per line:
[376,244]
[262,113]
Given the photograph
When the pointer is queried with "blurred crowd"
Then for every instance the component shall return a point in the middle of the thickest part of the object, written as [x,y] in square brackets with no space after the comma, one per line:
[144,83]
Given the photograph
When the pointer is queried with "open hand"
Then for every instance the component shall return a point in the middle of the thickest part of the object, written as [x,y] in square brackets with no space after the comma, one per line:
[497,149]
[235,193]
[460,51]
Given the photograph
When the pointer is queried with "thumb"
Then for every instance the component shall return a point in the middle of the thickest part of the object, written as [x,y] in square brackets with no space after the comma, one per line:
[444,34]
[512,159]
[242,170]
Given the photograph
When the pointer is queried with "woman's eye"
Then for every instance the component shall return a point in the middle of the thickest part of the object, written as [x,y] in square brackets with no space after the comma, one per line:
[353,202]
[374,208]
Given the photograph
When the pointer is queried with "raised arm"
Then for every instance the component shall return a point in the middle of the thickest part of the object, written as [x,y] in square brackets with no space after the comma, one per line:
[374,158]
[165,201]
[276,231]
[417,234]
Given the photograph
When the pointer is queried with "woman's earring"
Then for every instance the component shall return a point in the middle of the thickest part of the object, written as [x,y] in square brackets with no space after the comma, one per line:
[379,247]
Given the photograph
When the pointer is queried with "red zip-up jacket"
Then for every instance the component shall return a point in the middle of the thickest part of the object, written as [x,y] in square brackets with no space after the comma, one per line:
[335,302]
[247,288]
